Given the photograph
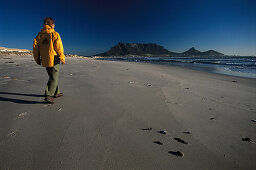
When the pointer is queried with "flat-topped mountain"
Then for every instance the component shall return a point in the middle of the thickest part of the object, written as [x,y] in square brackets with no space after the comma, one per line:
[135,49]
[141,49]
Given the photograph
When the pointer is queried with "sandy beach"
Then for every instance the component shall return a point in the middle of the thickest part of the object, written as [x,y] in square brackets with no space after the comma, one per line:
[111,114]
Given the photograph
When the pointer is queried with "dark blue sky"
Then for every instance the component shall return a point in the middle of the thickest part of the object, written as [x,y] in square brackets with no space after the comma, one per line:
[93,26]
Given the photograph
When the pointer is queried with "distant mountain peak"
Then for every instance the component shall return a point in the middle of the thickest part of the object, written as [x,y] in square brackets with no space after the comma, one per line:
[212,53]
[192,51]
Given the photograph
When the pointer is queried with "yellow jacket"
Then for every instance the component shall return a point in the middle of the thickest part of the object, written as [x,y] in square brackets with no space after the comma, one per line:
[46,45]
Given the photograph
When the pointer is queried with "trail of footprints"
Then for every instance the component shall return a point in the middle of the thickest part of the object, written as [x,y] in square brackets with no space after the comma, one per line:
[176,139]
[12,134]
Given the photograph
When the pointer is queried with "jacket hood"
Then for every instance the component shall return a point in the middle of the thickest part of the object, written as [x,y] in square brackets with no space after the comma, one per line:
[47,29]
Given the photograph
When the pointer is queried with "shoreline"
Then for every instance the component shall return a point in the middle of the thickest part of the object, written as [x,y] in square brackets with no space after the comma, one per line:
[213,68]
[219,71]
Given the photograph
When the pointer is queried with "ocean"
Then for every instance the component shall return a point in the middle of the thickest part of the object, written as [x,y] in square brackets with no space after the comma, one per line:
[242,66]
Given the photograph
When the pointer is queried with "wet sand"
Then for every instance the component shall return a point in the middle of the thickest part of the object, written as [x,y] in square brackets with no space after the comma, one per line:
[121,115]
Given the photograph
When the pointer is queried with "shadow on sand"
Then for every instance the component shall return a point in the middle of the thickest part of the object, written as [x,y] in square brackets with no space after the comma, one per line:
[20,101]
[21,94]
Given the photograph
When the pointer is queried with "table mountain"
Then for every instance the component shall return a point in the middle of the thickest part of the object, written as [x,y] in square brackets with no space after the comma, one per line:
[136,49]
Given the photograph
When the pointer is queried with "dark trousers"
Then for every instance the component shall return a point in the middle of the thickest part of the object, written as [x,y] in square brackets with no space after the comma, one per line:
[52,85]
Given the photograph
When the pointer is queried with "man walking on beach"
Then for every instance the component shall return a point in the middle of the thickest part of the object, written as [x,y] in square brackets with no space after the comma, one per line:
[48,51]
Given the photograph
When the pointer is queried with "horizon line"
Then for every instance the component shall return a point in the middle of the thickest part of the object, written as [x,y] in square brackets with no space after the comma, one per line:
[84,53]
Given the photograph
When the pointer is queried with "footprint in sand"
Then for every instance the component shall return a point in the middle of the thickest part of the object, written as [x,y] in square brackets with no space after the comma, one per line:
[9,62]
[187,132]
[13,134]
[164,132]
[212,118]
[158,142]
[10,135]
[22,115]
[147,128]
[176,153]
[246,139]
[180,140]
[204,98]
[135,84]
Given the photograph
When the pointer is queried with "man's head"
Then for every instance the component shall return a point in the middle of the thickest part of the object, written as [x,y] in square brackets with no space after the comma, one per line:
[49,21]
